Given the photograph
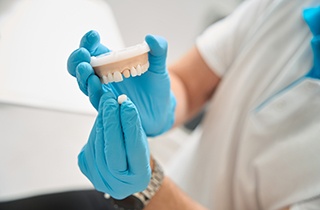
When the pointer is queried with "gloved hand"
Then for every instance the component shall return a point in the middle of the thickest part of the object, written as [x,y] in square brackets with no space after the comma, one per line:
[150,92]
[312,16]
[116,156]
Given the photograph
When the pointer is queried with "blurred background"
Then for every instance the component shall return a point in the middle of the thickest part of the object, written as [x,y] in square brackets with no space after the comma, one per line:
[44,118]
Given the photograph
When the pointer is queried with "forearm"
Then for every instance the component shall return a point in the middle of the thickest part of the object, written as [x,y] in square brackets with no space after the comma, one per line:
[193,83]
[179,90]
[170,197]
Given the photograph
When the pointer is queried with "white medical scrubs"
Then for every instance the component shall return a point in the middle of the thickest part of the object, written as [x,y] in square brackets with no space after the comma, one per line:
[260,146]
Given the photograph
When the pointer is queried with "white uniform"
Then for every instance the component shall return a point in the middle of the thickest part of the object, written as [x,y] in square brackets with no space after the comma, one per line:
[261,136]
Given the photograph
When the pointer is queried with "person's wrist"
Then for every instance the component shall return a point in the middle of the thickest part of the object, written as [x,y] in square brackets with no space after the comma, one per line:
[139,200]
[154,184]
[151,163]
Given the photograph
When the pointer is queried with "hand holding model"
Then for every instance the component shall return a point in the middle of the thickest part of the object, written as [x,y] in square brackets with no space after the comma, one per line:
[150,92]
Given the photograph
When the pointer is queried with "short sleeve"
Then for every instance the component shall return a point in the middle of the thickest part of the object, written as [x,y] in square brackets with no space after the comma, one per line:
[222,42]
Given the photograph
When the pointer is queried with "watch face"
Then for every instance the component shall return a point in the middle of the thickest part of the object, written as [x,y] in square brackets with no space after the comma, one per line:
[129,203]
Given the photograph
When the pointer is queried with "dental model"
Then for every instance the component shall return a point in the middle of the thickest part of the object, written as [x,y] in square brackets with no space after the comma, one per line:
[112,66]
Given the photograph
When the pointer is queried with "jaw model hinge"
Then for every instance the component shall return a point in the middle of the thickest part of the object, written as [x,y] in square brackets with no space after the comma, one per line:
[113,66]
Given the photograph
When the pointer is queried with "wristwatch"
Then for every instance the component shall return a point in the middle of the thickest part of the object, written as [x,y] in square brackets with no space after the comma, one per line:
[138,201]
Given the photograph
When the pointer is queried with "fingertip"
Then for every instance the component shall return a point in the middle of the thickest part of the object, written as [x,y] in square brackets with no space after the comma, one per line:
[127,106]
[84,67]
[158,45]
[108,103]
[90,41]
[76,57]
[83,72]
[93,36]
[150,38]
[129,115]
[84,54]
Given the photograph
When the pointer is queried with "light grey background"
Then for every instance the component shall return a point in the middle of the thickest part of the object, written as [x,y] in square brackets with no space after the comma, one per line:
[179,21]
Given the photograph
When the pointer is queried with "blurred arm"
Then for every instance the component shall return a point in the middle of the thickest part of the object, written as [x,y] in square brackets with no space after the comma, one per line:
[170,196]
[193,83]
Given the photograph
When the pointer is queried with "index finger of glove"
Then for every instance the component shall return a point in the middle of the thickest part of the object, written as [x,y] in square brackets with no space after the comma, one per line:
[78,56]
[114,148]
[91,41]
[87,158]
[89,83]
[83,72]
[95,90]
[135,139]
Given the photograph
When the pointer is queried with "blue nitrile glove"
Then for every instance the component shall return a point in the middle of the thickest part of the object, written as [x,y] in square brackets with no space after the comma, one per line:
[312,18]
[116,156]
[150,92]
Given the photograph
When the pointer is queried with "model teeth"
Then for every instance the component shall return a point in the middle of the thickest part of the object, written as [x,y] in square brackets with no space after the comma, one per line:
[110,77]
[126,73]
[105,79]
[139,70]
[117,76]
[145,68]
[133,72]
[112,67]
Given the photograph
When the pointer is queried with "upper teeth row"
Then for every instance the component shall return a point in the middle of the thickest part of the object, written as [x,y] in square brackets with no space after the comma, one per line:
[117,76]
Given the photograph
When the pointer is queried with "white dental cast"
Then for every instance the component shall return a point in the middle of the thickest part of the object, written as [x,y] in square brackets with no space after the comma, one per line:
[113,66]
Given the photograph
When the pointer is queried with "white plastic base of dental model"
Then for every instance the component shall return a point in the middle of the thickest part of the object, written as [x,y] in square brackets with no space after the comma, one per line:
[113,66]
[122,98]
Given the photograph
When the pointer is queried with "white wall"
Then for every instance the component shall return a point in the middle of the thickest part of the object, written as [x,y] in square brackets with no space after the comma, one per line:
[179,21]
[44,118]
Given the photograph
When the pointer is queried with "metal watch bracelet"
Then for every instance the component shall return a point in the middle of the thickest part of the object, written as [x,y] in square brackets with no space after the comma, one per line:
[154,185]
[139,200]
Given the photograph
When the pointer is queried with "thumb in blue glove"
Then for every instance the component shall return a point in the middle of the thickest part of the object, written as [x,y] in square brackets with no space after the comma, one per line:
[116,156]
